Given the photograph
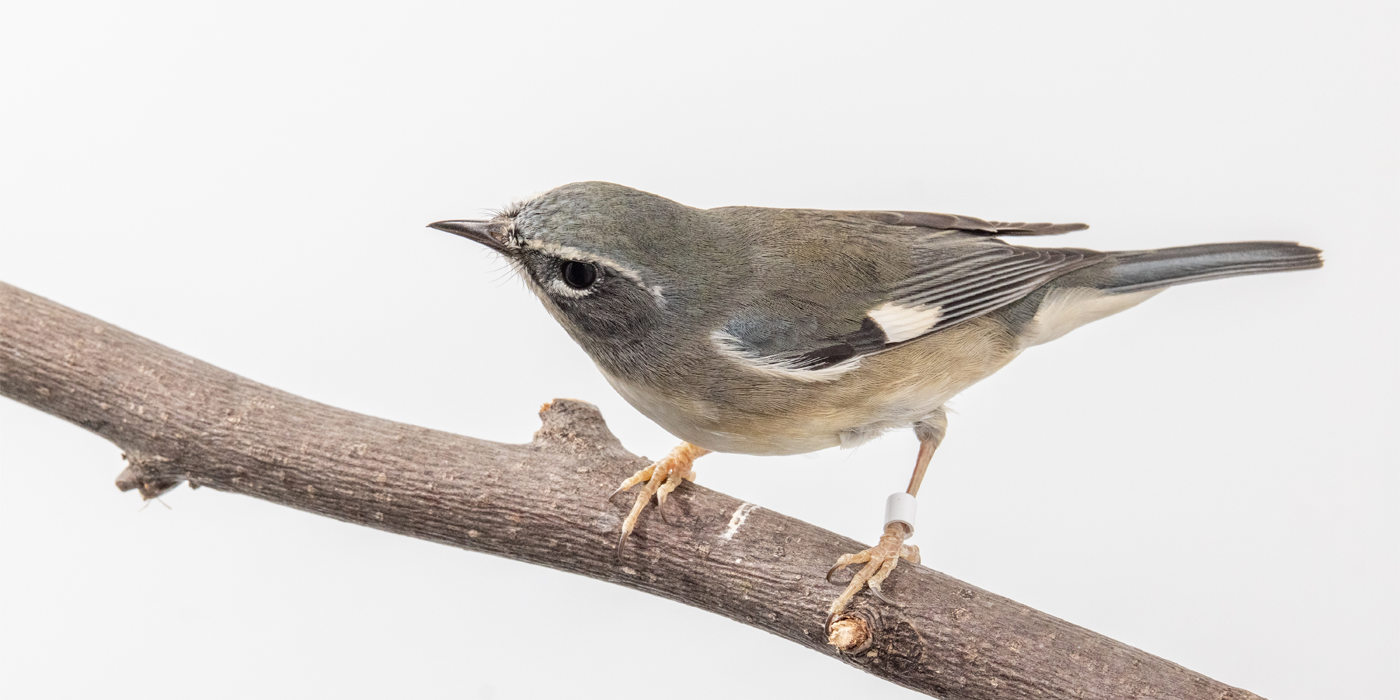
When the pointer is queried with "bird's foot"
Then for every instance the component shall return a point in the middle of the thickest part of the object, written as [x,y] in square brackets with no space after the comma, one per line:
[661,479]
[879,561]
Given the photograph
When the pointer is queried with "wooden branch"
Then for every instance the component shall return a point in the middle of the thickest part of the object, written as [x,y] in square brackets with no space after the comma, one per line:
[179,419]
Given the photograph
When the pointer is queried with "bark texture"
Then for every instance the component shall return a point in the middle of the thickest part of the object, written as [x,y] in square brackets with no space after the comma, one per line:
[182,420]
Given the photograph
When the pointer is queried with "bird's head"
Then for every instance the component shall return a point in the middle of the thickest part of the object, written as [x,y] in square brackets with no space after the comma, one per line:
[610,263]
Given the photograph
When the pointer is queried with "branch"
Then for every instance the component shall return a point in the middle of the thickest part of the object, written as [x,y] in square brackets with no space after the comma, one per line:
[182,420]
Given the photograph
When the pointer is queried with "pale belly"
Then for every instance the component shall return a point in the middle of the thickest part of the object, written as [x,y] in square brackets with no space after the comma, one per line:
[770,416]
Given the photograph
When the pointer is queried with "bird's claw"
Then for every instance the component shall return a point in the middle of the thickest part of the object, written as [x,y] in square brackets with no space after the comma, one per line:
[613,495]
[833,570]
[875,589]
[879,561]
[659,480]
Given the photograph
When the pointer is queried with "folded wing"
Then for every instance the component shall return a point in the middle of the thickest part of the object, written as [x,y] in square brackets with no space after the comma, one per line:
[958,271]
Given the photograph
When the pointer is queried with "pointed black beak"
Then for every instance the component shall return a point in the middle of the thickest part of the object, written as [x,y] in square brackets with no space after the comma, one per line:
[483,232]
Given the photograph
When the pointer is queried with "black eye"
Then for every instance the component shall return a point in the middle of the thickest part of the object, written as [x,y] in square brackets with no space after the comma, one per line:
[577,274]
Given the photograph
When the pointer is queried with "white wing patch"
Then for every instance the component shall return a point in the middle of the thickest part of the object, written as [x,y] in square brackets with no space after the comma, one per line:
[777,366]
[901,323]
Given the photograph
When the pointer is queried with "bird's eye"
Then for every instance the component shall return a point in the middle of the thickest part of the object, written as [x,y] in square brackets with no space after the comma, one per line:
[578,275]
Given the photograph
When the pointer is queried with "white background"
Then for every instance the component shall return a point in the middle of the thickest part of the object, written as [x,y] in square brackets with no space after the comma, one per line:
[1211,477]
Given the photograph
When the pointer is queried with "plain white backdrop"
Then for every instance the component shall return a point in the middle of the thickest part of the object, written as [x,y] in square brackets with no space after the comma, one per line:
[1211,476]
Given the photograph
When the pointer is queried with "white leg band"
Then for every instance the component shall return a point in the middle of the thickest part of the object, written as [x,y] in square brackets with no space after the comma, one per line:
[901,508]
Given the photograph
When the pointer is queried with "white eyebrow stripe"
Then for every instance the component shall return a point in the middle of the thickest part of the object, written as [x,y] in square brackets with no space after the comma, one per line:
[566,252]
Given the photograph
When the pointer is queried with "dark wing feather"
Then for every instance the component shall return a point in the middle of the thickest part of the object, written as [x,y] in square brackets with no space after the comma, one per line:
[964,286]
[944,222]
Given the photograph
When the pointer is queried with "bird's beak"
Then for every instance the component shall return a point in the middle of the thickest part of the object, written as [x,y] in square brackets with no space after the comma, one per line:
[484,232]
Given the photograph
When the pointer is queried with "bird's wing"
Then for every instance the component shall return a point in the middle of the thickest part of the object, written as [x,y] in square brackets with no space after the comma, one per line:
[930,220]
[946,277]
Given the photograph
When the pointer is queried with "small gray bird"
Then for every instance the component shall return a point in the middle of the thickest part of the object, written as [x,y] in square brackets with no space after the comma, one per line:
[781,331]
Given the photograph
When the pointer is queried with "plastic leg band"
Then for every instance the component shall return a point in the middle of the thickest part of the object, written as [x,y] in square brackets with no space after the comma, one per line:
[901,508]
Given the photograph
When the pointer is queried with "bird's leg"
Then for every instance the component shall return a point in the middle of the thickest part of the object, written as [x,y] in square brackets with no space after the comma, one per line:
[661,479]
[881,559]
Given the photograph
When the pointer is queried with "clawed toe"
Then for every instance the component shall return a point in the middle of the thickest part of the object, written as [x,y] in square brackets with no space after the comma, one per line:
[875,590]
[660,480]
[826,628]
[833,570]
[879,561]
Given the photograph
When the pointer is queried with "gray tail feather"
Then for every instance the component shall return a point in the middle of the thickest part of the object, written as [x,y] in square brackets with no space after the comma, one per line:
[1152,269]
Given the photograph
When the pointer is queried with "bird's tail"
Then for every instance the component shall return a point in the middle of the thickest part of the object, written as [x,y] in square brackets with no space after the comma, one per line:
[1142,270]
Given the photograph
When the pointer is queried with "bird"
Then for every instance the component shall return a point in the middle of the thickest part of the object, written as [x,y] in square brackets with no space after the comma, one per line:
[772,331]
